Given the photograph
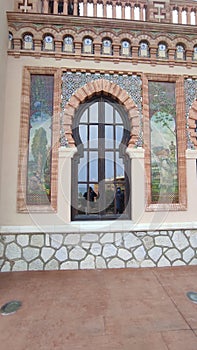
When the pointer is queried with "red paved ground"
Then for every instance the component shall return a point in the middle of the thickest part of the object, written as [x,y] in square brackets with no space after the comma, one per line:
[124,309]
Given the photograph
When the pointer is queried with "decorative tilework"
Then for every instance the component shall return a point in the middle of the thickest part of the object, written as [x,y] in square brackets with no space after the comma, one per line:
[131,84]
[190,87]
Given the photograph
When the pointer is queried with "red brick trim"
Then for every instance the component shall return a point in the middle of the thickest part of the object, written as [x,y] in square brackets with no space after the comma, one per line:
[111,89]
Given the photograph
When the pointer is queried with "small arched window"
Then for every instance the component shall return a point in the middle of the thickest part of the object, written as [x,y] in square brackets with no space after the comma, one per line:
[107,47]
[144,49]
[125,48]
[180,52]
[10,41]
[101,167]
[48,43]
[162,50]
[68,45]
[87,45]
[195,53]
[28,42]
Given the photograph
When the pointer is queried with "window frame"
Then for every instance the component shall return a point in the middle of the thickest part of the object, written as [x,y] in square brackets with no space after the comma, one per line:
[122,151]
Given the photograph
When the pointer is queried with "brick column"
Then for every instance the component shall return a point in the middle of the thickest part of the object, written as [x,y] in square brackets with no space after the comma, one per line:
[65,11]
[17,44]
[85,7]
[113,10]
[75,10]
[104,9]
[46,6]
[95,8]
[55,7]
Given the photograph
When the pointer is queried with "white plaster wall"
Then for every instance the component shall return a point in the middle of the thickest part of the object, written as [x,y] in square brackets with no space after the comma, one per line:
[4,6]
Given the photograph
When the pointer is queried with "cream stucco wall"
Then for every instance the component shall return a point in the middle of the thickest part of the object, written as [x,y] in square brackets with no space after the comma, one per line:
[11,94]
[4,6]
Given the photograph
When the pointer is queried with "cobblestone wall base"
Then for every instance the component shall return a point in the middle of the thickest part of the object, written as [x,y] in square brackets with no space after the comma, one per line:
[22,252]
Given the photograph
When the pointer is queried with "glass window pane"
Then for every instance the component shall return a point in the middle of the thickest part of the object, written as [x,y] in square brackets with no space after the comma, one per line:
[84,117]
[93,136]
[119,167]
[82,175]
[109,198]
[93,116]
[109,136]
[120,198]
[83,134]
[109,165]
[118,118]
[93,166]
[119,134]
[108,113]
[82,205]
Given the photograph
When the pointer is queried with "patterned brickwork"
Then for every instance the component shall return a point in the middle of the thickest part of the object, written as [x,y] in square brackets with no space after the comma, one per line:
[109,88]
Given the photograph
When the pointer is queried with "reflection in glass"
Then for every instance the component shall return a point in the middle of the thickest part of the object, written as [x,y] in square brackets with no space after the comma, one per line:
[109,198]
[108,113]
[119,133]
[109,136]
[83,133]
[119,166]
[84,117]
[82,188]
[93,117]
[109,165]
[120,199]
[118,118]
[93,136]
[83,168]
[93,166]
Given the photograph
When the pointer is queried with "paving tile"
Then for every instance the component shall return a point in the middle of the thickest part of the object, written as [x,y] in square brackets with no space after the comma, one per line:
[181,340]
[177,282]
[95,309]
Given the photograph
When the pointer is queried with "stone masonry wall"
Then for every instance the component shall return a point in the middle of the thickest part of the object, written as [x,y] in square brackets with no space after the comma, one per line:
[21,252]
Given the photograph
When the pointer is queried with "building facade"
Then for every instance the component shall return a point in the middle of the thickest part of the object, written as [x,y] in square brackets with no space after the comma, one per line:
[98,134]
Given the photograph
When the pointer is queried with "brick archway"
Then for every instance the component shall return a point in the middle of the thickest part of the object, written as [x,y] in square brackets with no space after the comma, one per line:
[193,123]
[110,89]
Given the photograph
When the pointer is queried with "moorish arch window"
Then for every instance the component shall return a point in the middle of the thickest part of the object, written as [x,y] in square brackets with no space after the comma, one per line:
[87,45]
[195,53]
[48,43]
[180,52]
[125,48]
[68,44]
[144,49]
[101,167]
[162,50]
[28,41]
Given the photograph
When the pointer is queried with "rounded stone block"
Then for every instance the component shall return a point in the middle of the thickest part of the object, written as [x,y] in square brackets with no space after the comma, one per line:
[90,237]
[56,240]
[124,254]
[69,265]
[109,250]
[88,263]
[107,238]
[47,253]
[179,240]
[37,240]
[140,253]
[116,263]
[36,265]
[100,263]
[30,253]
[96,249]
[62,254]
[22,240]
[52,265]
[77,253]
[155,253]
[130,240]
[72,239]
[20,265]
[13,251]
